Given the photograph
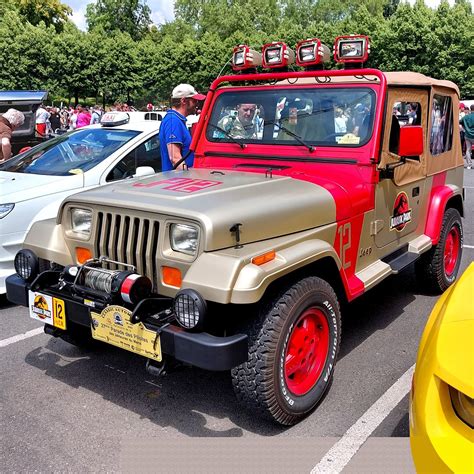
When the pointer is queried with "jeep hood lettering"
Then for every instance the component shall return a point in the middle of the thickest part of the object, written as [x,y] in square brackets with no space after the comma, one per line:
[266,207]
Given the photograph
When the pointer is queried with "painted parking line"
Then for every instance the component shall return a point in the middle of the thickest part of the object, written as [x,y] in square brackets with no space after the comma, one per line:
[464,246]
[342,452]
[20,337]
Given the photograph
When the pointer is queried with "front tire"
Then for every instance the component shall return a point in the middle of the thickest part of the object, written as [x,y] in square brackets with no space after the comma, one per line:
[293,347]
[437,269]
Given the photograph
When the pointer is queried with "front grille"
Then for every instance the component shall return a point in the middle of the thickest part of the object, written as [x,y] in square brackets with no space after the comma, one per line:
[129,239]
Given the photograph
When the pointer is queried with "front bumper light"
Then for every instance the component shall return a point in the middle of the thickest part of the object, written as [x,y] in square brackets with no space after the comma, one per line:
[463,406]
[184,238]
[190,309]
[81,221]
[5,209]
[26,264]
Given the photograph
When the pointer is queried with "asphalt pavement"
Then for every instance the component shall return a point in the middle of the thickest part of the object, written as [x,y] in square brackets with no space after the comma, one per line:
[67,409]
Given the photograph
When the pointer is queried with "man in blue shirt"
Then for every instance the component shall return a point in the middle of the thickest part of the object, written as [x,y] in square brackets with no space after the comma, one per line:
[175,138]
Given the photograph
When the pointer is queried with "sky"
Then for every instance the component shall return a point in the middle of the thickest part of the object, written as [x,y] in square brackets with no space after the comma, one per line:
[161,10]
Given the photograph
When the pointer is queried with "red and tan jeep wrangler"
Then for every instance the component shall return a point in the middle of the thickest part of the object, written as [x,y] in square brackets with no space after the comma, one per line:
[310,187]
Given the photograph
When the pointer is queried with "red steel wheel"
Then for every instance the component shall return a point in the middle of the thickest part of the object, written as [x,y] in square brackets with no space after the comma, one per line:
[293,346]
[451,250]
[438,268]
[307,351]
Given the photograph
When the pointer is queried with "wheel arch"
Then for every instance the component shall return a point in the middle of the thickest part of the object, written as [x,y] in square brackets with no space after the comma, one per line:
[325,268]
[444,197]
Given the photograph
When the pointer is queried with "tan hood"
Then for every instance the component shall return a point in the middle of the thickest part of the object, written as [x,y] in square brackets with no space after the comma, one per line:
[266,207]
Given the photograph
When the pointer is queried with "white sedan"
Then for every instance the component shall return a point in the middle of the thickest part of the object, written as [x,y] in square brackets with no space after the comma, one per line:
[34,183]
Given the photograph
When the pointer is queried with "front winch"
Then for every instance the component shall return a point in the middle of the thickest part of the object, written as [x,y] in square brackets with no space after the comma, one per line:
[126,285]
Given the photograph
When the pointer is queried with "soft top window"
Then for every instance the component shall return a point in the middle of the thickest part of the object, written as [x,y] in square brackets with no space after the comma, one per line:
[323,116]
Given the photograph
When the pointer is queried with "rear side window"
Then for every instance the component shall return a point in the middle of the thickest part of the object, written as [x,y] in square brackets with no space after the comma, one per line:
[441,137]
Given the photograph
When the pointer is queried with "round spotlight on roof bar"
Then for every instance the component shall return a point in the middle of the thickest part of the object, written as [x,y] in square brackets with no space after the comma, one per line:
[352,49]
[277,55]
[245,58]
[311,52]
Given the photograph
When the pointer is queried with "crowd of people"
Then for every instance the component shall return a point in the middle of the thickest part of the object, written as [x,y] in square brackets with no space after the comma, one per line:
[52,120]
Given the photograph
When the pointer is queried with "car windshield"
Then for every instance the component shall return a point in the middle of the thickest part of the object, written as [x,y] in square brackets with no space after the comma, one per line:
[326,116]
[73,153]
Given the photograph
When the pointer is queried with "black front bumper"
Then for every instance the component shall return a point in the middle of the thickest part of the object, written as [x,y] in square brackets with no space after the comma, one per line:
[199,349]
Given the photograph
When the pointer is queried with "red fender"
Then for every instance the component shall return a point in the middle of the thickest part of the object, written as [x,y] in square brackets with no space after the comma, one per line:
[440,195]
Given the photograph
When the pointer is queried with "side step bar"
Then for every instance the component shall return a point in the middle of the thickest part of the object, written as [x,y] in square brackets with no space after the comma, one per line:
[401,261]
[395,262]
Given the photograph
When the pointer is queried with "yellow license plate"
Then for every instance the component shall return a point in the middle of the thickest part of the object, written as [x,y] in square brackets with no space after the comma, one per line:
[47,309]
[113,326]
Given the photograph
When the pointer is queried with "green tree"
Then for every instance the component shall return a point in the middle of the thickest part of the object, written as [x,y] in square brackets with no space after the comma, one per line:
[25,54]
[406,44]
[75,59]
[50,12]
[454,45]
[127,16]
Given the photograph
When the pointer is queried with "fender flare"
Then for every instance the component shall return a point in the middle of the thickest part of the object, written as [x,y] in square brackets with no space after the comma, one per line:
[237,280]
[439,198]
[45,238]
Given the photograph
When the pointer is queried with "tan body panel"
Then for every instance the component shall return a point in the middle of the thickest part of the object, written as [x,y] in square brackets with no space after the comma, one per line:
[46,239]
[228,276]
[266,207]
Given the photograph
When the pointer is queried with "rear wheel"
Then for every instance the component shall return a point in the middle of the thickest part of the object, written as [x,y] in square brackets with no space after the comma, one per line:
[293,347]
[437,269]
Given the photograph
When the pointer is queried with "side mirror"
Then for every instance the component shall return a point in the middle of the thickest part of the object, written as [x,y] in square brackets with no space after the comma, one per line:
[410,147]
[410,144]
[144,171]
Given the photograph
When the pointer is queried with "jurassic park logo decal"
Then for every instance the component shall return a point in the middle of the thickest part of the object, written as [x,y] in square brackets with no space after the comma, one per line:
[40,307]
[401,213]
[47,309]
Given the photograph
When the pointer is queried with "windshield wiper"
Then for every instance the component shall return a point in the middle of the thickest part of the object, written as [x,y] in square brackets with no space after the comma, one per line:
[292,134]
[228,135]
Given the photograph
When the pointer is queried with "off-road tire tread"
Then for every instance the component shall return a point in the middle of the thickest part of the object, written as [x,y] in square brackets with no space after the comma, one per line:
[430,266]
[252,380]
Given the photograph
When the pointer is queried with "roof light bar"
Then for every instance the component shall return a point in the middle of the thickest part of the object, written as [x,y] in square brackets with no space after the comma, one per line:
[245,58]
[277,55]
[311,52]
[352,49]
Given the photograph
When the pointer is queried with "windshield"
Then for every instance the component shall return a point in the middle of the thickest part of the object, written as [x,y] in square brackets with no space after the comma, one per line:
[336,116]
[72,153]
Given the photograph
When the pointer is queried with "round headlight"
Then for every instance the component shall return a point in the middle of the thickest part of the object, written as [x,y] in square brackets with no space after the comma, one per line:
[26,264]
[190,308]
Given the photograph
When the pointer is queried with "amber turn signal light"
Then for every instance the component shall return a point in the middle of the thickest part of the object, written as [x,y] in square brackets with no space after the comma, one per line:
[82,255]
[171,276]
[264,258]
